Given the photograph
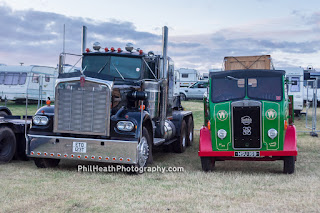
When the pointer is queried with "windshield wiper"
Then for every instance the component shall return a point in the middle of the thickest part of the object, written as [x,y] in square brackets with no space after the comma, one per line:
[103,67]
[232,78]
[117,71]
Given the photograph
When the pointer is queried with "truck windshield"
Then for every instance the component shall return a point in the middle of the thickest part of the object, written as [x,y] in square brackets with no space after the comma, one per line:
[110,67]
[229,88]
[265,88]
[226,89]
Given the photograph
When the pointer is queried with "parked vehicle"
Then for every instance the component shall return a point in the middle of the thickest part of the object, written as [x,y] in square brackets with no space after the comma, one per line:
[195,91]
[248,116]
[188,76]
[115,110]
[12,136]
[311,84]
[295,86]
[36,81]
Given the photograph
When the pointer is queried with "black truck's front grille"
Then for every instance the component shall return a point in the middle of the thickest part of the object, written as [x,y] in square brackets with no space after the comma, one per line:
[82,109]
[246,127]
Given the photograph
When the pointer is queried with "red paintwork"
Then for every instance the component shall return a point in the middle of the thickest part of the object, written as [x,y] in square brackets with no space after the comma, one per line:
[289,149]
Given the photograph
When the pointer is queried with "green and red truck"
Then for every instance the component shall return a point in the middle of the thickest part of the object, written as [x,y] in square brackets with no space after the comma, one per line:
[248,116]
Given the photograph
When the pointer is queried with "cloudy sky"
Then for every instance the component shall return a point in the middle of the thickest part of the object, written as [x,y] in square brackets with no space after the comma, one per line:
[201,32]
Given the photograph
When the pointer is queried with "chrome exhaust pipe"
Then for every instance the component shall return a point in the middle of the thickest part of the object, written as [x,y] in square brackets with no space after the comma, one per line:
[84,39]
[164,80]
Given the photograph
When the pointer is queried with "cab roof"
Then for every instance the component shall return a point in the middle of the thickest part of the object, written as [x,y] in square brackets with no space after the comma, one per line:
[247,73]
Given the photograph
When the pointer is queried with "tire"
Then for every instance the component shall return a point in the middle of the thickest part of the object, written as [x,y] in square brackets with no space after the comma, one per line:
[183,97]
[144,149]
[190,128]
[8,144]
[180,144]
[46,162]
[207,163]
[288,164]
[3,113]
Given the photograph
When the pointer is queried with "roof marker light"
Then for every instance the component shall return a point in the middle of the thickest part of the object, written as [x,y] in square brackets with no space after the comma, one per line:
[87,50]
[107,158]
[106,49]
[65,155]
[140,52]
[93,157]
[45,154]
[100,158]
[52,154]
[32,153]
[59,155]
[119,50]
[39,153]
[112,49]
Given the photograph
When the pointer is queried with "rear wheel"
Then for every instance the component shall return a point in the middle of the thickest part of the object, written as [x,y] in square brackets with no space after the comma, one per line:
[207,163]
[190,126]
[181,143]
[288,164]
[8,144]
[183,97]
[46,162]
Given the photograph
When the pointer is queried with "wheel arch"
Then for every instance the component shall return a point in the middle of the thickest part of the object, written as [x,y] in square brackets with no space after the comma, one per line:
[5,109]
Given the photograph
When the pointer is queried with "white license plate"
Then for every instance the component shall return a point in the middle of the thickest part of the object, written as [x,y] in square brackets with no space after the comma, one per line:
[79,147]
[247,154]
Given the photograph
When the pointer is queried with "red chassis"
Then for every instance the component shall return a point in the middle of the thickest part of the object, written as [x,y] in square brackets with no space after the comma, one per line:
[289,149]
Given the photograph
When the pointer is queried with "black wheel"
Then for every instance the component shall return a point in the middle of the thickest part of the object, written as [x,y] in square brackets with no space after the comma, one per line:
[288,164]
[181,143]
[183,97]
[207,163]
[8,144]
[3,113]
[144,149]
[190,127]
[46,162]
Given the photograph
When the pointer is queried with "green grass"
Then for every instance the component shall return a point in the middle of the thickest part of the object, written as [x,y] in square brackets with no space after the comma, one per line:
[20,109]
[231,187]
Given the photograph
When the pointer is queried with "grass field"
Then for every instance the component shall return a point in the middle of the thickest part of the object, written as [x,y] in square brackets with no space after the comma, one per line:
[232,187]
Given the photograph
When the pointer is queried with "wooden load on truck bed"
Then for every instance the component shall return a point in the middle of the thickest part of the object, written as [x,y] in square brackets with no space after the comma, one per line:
[247,62]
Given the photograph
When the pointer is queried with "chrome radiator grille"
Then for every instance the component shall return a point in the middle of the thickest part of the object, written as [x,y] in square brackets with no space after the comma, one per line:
[82,109]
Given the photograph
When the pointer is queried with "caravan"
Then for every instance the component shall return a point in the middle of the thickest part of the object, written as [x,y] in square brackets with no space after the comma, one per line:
[295,87]
[36,81]
[188,76]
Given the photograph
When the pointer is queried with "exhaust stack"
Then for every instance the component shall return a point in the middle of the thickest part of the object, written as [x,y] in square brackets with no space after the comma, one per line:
[84,39]
[164,80]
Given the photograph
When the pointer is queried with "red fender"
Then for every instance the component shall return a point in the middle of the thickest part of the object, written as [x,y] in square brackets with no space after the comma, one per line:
[289,148]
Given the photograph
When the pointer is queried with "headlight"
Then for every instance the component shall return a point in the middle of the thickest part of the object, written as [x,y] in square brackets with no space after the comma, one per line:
[125,125]
[272,133]
[222,133]
[40,120]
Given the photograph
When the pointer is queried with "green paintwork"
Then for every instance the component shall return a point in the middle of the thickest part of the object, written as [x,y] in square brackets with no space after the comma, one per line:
[274,115]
